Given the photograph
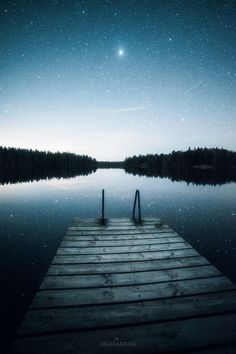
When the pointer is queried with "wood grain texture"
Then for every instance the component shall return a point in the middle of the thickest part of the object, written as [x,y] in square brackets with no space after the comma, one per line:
[176,336]
[108,258]
[80,318]
[122,249]
[119,237]
[117,242]
[129,288]
[117,267]
[102,295]
[106,279]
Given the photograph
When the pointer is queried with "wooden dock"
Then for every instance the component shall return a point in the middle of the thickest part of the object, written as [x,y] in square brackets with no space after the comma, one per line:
[129,288]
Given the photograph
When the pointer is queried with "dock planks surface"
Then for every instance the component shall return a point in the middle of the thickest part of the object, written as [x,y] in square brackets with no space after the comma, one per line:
[129,288]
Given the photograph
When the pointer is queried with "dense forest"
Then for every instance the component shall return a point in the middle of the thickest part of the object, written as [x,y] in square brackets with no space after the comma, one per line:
[19,165]
[199,166]
[110,164]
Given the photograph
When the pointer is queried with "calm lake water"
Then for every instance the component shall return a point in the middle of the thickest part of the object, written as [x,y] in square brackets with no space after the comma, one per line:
[34,218]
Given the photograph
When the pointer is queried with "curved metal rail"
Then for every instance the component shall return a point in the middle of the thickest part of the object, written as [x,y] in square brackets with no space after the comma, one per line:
[137,199]
[103,206]
[136,202]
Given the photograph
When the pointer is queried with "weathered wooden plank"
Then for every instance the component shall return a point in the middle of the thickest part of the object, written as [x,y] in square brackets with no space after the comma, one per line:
[123,274]
[109,223]
[115,243]
[131,222]
[66,259]
[152,338]
[118,267]
[117,228]
[106,279]
[124,225]
[114,220]
[121,249]
[108,231]
[60,298]
[113,228]
[117,236]
[70,319]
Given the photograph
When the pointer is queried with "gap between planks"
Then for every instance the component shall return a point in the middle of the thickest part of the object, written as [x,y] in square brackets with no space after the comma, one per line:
[90,317]
[123,267]
[90,296]
[179,336]
[106,279]
[151,293]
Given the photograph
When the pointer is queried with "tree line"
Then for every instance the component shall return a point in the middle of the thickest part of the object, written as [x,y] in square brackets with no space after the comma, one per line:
[18,165]
[199,166]
[110,164]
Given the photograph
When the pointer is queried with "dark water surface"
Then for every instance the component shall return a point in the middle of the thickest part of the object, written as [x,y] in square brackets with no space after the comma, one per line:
[34,218]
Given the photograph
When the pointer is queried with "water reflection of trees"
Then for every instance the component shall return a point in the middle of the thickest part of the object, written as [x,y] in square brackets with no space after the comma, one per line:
[21,165]
[198,166]
[19,176]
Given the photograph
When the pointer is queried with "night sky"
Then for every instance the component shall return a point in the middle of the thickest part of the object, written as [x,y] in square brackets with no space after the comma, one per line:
[116,78]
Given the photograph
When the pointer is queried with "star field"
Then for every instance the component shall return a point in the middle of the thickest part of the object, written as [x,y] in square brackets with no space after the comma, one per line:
[117,78]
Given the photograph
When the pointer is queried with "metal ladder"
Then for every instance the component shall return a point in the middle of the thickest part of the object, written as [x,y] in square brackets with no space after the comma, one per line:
[137,203]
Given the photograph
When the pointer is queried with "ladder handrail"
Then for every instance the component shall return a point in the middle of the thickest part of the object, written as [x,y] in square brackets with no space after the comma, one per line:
[103,206]
[137,197]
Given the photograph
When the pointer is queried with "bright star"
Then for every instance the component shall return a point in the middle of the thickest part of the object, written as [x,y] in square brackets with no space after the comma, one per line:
[121,52]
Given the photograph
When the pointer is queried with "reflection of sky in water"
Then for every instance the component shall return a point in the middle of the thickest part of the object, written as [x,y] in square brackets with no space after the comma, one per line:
[35,216]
